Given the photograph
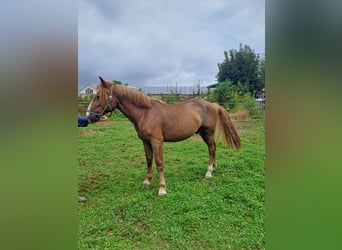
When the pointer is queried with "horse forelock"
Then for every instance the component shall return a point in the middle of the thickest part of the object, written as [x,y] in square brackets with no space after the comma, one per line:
[103,94]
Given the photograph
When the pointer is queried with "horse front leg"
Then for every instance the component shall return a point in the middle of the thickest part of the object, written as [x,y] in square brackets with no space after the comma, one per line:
[149,160]
[157,147]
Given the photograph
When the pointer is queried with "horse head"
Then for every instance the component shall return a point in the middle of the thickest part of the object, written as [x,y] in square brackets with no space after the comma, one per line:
[103,102]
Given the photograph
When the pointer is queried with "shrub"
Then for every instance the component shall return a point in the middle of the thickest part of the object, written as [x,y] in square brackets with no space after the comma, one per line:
[235,97]
[254,109]
[225,95]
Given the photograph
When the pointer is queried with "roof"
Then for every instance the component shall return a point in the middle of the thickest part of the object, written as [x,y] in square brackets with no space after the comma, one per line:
[88,86]
[212,85]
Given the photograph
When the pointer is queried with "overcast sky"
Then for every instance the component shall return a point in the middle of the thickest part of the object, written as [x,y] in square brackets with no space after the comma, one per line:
[161,42]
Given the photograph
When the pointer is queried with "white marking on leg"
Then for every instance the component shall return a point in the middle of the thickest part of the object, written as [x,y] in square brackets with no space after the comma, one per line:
[209,172]
[162,192]
[146,182]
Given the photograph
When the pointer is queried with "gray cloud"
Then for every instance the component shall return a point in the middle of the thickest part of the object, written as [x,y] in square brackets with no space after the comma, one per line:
[156,42]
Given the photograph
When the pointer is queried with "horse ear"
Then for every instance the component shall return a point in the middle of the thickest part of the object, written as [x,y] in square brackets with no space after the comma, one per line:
[102,82]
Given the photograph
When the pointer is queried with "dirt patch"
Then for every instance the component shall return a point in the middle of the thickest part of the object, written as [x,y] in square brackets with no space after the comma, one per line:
[102,124]
[244,127]
[142,227]
[92,182]
[88,133]
[246,131]
[240,124]
[241,114]
[111,123]
[107,123]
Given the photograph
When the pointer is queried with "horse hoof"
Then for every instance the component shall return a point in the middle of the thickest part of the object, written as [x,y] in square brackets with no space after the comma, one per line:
[162,192]
[207,177]
[146,182]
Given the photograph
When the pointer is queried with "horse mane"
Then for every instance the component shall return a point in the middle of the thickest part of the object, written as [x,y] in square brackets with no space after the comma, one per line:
[140,99]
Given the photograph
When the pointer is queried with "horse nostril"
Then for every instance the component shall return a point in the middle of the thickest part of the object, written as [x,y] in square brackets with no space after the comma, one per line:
[93,118]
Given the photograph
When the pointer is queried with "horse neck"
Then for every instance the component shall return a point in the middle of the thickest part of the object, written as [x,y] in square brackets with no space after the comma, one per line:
[130,110]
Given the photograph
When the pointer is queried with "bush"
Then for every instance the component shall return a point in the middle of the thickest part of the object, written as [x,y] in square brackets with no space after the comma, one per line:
[249,103]
[235,97]
[85,98]
[171,98]
[225,96]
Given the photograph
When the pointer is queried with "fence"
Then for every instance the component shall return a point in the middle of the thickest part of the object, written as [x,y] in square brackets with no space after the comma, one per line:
[82,108]
[174,94]
[168,94]
[175,90]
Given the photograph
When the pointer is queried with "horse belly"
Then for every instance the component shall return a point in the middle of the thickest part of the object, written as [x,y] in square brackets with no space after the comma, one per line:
[181,121]
[178,133]
[171,138]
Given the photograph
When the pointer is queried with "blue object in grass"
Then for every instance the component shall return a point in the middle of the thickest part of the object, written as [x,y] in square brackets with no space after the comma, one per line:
[82,122]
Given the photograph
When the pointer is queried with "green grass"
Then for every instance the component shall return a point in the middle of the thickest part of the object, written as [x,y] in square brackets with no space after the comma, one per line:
[225,212]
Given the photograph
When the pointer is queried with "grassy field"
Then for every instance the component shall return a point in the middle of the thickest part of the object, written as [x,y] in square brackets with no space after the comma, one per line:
[225,212]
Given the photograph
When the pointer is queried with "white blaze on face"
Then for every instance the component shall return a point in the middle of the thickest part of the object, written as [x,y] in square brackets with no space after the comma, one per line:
[88,108]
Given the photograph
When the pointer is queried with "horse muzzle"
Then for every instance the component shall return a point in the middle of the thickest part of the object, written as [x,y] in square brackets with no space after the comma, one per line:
[93,117]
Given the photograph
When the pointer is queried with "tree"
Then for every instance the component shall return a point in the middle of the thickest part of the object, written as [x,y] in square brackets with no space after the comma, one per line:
[242,66]
[262,66]
[119,82]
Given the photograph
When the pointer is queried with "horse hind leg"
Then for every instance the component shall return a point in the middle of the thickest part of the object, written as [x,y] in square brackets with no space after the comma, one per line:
[209,138]
[211,165]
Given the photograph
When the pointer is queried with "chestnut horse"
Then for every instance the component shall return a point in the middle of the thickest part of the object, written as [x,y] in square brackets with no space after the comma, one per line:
[157,122]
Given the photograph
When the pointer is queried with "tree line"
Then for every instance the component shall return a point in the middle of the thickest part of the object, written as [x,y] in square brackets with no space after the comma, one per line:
[243,70]
[241,79]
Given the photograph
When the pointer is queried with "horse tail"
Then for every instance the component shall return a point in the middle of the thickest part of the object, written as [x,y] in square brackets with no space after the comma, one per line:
[225,130]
